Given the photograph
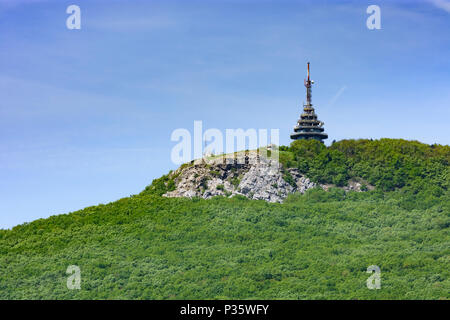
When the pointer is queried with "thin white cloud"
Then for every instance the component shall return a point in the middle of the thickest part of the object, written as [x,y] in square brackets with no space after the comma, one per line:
[18,2]
[132,24]
[336,96]
[6,5]
[441,4]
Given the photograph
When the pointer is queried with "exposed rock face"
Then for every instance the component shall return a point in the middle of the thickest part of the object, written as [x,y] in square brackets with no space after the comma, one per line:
[246,174]
[254,177]
[359,185]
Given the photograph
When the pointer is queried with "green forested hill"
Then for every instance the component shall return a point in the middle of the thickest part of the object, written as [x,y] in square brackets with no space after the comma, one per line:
[313,246]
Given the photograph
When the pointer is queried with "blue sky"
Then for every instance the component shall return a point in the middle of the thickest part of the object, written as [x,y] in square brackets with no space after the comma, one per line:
[86,115]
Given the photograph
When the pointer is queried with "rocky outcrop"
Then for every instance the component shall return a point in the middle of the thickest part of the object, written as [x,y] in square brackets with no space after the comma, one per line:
[245,174]
[253,177]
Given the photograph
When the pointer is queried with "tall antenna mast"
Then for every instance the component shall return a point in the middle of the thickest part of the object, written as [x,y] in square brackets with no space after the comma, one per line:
[308,71]
[308,126]
[308,84]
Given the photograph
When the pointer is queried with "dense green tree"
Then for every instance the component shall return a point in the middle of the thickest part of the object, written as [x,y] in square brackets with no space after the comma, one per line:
[314,246]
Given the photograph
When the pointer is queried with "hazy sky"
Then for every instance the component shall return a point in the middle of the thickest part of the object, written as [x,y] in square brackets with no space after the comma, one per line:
[86,115]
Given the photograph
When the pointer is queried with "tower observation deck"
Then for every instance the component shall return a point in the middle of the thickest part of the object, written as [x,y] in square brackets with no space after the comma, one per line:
[308,126]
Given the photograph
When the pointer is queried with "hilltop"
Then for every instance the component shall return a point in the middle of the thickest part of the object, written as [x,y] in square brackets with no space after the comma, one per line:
[359,165]
[315,245]
[252,174]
